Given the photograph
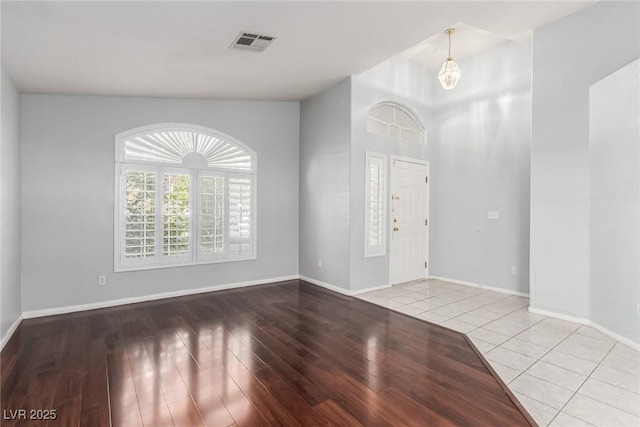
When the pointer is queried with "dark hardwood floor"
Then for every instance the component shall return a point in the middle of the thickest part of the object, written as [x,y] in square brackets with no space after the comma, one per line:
[285,354]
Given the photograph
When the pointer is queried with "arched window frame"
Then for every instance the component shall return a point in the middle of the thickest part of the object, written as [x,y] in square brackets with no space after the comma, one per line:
[234,187]
[390,125]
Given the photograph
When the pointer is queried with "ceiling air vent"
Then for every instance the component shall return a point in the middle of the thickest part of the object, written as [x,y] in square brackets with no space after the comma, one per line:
[252,41]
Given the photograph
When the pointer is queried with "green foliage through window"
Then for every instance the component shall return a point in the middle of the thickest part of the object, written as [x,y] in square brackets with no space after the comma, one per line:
[176,215]
[140,214]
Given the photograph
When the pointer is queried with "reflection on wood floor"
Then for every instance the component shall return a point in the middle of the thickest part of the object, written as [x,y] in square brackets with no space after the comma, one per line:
[285,354]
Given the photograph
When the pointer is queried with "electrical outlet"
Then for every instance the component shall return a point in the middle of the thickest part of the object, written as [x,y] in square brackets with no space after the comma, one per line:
[102,280]
[638,310]
[514,270]
[319,263]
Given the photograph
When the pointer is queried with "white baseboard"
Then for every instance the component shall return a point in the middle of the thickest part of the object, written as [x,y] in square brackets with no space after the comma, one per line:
[340,290]
[624,340]
[10,332]
[560,316]
[371,289]
[587,322]
[113,303]
[326,285]
[478,285]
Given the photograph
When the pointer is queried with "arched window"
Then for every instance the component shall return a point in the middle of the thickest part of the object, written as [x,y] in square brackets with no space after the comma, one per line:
[394,121]
[184,195]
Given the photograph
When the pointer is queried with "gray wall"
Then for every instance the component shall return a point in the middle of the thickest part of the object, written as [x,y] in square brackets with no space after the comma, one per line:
[569,55]
[324,185]
[614,153]
[394,80]
[10,289]
[480,152]
[478,144]
[68,191]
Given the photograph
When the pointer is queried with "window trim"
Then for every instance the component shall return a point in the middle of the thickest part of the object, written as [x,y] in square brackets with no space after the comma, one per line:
[195,173]
[167,127]
[408,112]
[381,249]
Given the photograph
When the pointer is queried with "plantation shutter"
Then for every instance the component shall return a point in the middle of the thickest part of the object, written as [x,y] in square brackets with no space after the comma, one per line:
[139,215]
[211,216]
[375,214]
[185,195]
[176,215]
[240,216]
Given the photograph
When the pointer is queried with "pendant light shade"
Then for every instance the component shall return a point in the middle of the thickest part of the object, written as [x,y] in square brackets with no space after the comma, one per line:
[449,73]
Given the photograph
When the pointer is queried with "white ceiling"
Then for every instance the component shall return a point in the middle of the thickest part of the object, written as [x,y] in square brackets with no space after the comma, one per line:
[465,41]
[180,48]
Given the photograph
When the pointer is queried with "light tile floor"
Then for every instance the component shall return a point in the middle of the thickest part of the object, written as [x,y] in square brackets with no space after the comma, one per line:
[564,373]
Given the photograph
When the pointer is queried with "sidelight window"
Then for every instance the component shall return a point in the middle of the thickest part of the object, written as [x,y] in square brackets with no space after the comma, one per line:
[375,211]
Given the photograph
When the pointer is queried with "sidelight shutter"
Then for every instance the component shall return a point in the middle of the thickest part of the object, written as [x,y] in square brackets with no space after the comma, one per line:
[375,212]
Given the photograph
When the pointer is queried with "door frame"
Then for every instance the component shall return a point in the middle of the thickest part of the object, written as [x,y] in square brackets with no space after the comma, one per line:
[426,163]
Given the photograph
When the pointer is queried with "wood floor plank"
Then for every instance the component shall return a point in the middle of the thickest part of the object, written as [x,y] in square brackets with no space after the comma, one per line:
[153,406]
[125,409]
[41,392]
[283,354]
[94,410]
[212,364]
[212,407]
[335,415]
[185,413]
[67,399]
[401,405]
[273,382]
[169,378]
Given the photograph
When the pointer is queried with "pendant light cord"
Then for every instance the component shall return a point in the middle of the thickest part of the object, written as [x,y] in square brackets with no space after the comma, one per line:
[449,73]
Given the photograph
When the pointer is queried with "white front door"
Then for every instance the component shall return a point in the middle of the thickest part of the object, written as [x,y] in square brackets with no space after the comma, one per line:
[409,220]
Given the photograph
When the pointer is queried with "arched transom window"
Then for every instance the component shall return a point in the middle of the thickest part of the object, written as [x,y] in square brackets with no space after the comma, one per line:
[184,195]
[394,121]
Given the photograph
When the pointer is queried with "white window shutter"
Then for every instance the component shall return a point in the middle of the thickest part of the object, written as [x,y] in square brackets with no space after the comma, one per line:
[138,228]
[240,216]
[211,216]
[176,215]
[184,195]
[375,211]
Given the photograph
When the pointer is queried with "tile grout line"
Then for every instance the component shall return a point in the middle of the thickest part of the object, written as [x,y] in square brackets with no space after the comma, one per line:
[576,392]
[537,359]
[510,338]
[476,308]
[587,377]
[542,379]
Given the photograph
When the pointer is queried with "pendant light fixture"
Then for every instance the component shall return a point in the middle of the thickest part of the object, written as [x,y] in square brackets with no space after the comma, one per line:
[449,73]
